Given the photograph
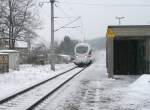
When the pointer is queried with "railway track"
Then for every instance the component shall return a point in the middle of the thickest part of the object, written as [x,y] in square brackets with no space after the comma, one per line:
[33,96]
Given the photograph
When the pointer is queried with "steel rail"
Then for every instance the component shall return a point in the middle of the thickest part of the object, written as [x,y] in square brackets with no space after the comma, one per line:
[32,87]
[53,91]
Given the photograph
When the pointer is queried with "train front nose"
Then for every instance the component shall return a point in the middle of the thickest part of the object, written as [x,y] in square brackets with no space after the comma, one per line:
[81,59]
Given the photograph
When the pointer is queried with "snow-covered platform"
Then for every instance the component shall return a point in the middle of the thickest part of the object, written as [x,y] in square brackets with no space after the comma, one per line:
[92,90]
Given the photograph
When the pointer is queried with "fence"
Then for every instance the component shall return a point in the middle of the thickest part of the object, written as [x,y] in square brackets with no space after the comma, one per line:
[4,62]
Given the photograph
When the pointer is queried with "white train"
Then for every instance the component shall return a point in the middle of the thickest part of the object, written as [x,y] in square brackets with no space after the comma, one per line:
[83,54]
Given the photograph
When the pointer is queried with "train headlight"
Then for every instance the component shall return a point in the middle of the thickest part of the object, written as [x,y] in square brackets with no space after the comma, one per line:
[85,56]
[77,56]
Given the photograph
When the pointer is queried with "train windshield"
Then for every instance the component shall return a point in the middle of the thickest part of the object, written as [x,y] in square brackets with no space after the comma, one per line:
[81,49]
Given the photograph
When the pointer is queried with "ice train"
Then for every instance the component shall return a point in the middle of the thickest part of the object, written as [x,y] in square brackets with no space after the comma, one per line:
[83,54]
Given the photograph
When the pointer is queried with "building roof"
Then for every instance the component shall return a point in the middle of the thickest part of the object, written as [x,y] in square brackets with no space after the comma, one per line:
[8,51]
[21,44]
[130,30]
[4,54]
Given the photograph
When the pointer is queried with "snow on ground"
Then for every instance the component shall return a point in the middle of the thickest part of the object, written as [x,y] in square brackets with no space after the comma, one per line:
[27,75]
[138,94]
[92,90]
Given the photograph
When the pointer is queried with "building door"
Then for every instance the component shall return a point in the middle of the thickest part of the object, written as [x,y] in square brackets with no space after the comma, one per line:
[125,57]
[141,56]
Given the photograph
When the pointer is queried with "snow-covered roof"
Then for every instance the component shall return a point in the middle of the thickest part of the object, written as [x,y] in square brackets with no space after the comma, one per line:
[4,54]
[64,55]
[8,51]
[130,30]
[21,44]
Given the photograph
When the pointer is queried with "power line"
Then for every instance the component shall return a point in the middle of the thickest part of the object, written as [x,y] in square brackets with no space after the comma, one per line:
[68,24]
[64,17]
[62,10]
[81,22]
[67,16]
[106,5]
[73,27]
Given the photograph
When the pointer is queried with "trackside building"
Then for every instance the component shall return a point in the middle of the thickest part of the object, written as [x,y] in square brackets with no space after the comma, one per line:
[128,50]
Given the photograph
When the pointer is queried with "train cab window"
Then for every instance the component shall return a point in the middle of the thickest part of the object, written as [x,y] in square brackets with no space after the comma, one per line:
[81,49]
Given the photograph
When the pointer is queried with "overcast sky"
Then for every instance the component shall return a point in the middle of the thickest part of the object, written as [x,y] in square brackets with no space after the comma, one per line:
[96,15]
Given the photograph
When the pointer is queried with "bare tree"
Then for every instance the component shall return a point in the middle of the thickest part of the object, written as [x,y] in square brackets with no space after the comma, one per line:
[17,20]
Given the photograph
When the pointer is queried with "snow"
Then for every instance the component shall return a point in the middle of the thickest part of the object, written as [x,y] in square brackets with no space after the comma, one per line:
[4,54]
[28,75]
[137,94]
[8,51]
[92,90]
[21,44]
[32,96]
[142,84]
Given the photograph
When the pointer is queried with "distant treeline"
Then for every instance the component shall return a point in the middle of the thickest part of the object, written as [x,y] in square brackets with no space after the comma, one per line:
[66,46]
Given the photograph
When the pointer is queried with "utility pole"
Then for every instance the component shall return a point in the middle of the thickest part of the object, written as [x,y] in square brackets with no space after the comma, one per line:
[52,36]
[119,19]
[53,30]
